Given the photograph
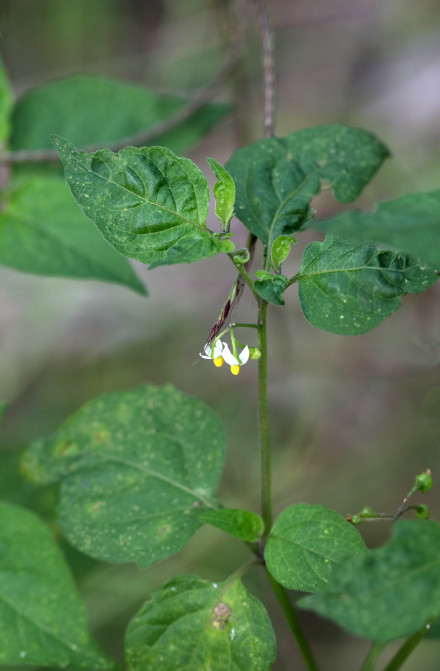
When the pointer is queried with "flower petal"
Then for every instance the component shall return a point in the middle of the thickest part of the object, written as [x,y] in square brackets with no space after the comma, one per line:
[244,356]
[230,359]
[218,349]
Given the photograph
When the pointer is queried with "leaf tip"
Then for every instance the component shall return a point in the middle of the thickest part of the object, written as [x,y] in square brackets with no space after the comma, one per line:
[63,146]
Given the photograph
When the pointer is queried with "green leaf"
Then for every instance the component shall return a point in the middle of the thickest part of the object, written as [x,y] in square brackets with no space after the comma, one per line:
[389,593]
[305,545]
[43,231]
[281,249]
[271,287]
[93,111]
[243,524]
[136,469]
[196,624]
[409,224]
[43,620]
[349,288]
[277,178]
[224,192]
[6,102]
[148,203]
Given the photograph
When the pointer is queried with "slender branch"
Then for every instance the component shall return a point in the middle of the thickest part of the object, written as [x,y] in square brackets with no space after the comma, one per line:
[292,619]
[144,137]
[266,35]
[241,267]
[372,657]
[404,652]
[263,420]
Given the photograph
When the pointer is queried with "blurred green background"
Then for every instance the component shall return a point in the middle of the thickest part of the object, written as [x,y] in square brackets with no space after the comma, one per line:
[353,418]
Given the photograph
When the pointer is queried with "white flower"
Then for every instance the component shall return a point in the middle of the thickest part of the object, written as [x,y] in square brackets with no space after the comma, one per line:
[215,353]
[232,360]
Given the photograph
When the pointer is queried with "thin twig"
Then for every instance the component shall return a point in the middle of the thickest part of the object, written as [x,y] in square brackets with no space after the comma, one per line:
[203,96]
[265,28]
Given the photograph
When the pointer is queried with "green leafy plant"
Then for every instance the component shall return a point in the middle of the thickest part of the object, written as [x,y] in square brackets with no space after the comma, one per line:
[138,471]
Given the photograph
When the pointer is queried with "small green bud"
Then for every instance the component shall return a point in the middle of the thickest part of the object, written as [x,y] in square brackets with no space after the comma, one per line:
[424,481]
[421,511]
[355,519]
[367,513]
[254,353]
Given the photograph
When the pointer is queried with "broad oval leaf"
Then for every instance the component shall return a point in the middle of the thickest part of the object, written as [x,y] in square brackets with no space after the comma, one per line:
[349,288]
[409,224]
[43,620]
[392,591]
[96,111]
[271,287]
[305,545]
[243,524]
[148,203]
[224,192]
[276,179]
[42,231]
[136,469]
[196,624]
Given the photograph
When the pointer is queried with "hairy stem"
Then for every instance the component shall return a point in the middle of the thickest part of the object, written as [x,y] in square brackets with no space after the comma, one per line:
[292,619]
[263,419]
[265,29]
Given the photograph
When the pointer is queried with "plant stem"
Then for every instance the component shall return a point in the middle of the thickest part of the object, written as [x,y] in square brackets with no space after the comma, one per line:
[372,657]
[244,274]
[262,15]
[404,652]
[263,419]
[292,619]
[266,497]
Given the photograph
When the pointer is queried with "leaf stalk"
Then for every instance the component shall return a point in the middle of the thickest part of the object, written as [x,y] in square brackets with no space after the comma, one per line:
[292,619]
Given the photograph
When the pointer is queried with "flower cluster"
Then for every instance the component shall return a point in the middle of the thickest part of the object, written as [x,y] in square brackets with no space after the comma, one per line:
[219,352]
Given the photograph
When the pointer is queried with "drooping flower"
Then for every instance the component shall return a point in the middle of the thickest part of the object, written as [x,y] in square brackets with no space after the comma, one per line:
[233,361]
[215,353]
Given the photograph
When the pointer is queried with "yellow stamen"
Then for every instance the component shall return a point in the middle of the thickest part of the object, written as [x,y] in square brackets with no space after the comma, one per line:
[235,370]
[219,361]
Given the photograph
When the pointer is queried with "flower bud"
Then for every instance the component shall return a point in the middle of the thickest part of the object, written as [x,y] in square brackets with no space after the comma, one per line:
[421,511]
[254,353]
[367,513]
[424,481]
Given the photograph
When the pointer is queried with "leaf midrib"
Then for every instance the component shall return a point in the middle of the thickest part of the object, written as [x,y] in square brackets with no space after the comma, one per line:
[289,197]
[158,476]
[145,200]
